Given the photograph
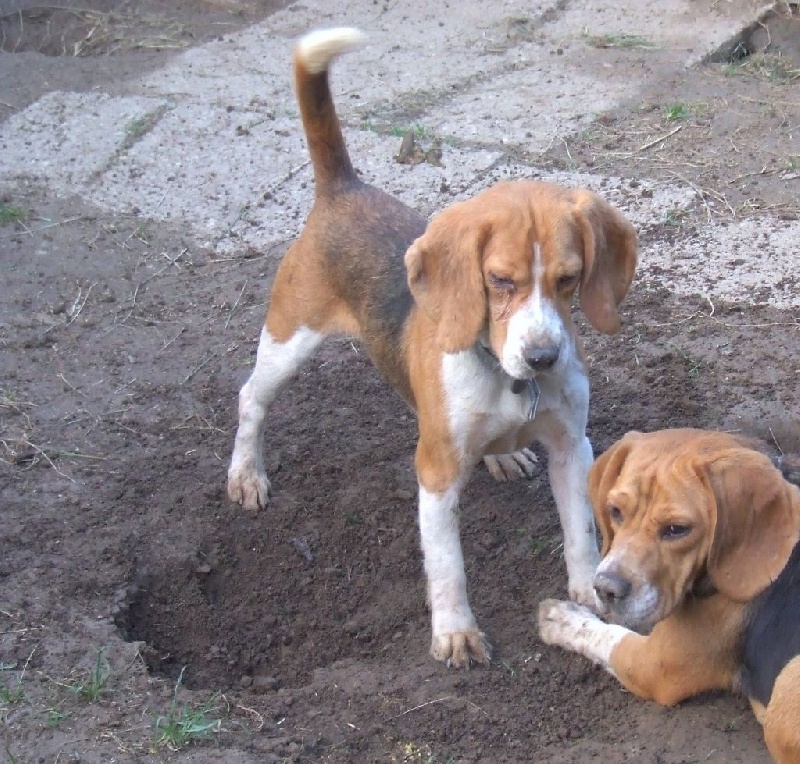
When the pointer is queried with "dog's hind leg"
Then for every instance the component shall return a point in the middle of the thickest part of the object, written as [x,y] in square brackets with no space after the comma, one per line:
[276,363]
[781,727]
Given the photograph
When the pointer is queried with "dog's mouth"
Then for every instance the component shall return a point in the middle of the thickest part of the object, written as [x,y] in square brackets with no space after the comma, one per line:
[640,611]
[636,624]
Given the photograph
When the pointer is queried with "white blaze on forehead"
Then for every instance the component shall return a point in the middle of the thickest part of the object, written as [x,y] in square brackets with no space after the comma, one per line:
[538,269]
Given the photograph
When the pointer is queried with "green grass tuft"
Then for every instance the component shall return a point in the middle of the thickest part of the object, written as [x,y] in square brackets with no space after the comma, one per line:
[677,111]
[185,725]
[95,686]
[10,214]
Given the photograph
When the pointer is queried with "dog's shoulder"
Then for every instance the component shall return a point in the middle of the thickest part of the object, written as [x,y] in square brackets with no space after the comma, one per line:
[771,633]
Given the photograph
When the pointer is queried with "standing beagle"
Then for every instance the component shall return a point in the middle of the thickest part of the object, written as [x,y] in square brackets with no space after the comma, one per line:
[700,577]
[467,317]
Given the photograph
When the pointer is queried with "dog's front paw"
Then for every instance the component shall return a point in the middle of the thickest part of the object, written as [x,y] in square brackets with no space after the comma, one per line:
[248,487]
[585,595]
[505,467]
[460,649]
[560,622]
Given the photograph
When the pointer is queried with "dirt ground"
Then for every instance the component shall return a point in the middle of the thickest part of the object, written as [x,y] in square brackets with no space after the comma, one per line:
[145,618]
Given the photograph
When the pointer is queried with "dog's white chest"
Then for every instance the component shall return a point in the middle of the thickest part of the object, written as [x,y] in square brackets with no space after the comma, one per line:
[483,407]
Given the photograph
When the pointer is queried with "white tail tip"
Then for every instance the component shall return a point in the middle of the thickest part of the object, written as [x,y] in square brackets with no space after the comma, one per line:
[317,49]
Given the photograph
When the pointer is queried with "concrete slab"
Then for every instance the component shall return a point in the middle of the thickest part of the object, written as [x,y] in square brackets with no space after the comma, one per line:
[753,260]
[213,138]
[486,115]
[411,48]
[68,138]
[688,28]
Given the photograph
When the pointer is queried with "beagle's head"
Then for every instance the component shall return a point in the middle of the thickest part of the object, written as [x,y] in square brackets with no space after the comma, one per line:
[502,268]
[687,513]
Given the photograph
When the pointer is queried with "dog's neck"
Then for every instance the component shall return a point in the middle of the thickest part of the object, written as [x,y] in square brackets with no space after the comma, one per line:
[527,387]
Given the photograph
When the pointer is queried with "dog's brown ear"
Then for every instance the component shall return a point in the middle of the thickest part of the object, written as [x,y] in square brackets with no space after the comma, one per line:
[756,524]
[609,260]
[445,276]
[602,476]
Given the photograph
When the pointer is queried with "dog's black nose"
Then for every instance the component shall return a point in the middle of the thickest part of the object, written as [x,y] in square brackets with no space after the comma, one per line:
[611,589]
[541,359]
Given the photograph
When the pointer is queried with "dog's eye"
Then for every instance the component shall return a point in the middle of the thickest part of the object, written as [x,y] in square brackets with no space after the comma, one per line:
[567,281]
[616,515]
[674,531]
[502,283]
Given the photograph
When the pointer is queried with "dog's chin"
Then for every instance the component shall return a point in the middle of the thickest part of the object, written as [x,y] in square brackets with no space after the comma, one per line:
[641,623]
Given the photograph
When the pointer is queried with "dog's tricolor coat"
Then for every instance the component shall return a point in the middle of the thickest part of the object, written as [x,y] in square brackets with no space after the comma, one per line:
[468,317]
[700,576]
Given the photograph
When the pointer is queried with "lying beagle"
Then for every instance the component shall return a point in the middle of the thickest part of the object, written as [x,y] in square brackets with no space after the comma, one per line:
[700,576]
[468,317]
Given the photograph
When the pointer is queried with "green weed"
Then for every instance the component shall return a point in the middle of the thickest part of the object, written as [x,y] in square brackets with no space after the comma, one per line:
[552,545]
[55,716]
[418,131]
[12,694]
[675,217]
[185,725]
[10,214]
[95,686]
[677,111]
[694,364]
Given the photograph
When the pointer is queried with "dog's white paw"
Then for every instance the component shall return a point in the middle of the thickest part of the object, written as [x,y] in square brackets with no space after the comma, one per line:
[248,487]
[460,649]
[562,622]
[585,595]
[505,467]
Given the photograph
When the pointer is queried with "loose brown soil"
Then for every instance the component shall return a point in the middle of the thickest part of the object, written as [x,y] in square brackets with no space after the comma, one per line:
[304,628]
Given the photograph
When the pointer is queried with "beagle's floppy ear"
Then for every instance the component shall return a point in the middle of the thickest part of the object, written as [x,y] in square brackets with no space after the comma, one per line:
[757,519]
[602,476]
[445,276]
[609,260]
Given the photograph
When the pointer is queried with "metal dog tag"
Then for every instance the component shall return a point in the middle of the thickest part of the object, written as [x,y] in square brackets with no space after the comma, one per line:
[533,396]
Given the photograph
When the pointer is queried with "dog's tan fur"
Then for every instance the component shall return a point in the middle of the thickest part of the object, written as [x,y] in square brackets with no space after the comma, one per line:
[457,314]
[695,526]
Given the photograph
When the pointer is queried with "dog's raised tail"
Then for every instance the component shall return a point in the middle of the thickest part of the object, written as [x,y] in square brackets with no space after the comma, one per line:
[312,58]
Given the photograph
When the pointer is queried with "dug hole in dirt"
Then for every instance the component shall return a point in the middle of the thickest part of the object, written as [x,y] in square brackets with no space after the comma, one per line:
[304,627]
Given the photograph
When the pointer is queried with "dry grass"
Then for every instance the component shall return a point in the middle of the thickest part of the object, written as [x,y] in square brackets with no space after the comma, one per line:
[60,31]
[112,32]
[690,143]
[617,40]
[774,67]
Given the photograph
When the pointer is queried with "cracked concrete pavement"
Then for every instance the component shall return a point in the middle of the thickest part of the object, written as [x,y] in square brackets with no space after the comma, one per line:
[212,139]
